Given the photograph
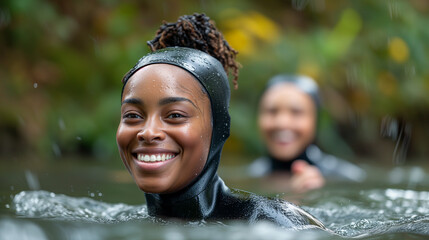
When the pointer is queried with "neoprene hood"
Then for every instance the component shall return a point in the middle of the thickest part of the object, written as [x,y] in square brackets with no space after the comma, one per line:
[211,75]
[303,83]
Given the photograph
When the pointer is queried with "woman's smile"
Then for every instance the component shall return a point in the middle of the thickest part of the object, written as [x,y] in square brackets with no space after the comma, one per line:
[151,158]
[283,136]
[152,155]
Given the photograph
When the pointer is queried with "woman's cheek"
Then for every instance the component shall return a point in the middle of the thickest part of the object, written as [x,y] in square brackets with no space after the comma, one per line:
[186,136]
[121,136]
[124,137]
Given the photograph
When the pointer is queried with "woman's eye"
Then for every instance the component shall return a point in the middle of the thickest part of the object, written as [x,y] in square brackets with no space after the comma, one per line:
[175,115]
[131,116]
[297,112]
[271,111]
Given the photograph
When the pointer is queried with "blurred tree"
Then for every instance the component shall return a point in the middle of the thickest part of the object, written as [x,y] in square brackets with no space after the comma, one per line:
[62,62]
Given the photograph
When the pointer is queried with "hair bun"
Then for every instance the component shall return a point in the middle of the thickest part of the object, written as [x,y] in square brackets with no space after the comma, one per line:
[197,31]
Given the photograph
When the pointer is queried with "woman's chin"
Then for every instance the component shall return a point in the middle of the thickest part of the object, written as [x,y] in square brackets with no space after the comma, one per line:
[286,157]
[151,189]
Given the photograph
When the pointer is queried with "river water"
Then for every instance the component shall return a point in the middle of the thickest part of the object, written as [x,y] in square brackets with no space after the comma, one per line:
[391,205]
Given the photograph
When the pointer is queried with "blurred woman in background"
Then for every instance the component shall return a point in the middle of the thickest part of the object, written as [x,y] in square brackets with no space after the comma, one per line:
[287,119]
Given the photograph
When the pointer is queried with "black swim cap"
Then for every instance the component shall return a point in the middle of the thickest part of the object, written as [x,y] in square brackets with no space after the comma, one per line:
[303,83]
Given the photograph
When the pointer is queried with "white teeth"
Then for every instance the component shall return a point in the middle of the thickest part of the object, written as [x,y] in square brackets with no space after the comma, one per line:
[284,136]
[154,157]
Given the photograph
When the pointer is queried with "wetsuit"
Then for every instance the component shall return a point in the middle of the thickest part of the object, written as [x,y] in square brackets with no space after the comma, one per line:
[207,197]
[330,166]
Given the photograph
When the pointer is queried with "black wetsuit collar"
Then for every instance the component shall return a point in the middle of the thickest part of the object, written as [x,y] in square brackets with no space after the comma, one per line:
[285,166]
[198,206]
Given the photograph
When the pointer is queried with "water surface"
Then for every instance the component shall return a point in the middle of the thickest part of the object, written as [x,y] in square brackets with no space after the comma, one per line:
[374,210]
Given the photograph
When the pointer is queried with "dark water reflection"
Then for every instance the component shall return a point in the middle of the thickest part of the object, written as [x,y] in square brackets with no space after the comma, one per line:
[377,209]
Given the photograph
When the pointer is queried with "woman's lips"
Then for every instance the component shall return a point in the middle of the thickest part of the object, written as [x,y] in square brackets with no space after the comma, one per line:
[158,157]
[153,161]
[283,137]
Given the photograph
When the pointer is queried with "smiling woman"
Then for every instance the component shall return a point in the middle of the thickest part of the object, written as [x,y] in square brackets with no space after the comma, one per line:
[174,122]
[164,135]
[288,119]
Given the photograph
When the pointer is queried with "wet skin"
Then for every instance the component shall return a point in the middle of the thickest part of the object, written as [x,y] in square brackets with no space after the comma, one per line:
[165,117]
[287,121]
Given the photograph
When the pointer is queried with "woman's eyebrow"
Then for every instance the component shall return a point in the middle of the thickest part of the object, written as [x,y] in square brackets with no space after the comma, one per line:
[168,100]
[132,101]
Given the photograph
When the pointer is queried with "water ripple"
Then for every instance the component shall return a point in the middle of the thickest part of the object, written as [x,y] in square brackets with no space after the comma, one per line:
[43,204]
[375,213]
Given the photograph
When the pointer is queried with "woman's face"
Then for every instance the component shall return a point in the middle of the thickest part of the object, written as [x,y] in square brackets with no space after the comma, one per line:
[287,121]
[165,130]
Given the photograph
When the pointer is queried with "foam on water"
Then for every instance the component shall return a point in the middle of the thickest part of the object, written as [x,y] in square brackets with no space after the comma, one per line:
[43,204]
[366,213]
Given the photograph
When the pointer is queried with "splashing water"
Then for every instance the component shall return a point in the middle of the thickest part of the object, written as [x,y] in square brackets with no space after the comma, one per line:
[394,9]
[299,4]
[315,5]
[375,212]
[32,180]
[365,213]
[399,131]
[42,204]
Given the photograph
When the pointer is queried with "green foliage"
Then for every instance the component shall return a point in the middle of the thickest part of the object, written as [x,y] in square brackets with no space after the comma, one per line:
[62,64]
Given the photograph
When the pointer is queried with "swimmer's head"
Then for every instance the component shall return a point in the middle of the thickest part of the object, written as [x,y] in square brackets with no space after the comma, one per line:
[288,114]
[175,100]
[165,130]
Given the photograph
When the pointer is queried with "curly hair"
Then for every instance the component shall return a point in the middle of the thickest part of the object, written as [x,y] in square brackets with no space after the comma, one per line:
[199,32]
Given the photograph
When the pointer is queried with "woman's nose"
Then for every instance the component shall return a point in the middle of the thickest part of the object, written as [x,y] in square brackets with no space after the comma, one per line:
[151,131]
[283,120]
